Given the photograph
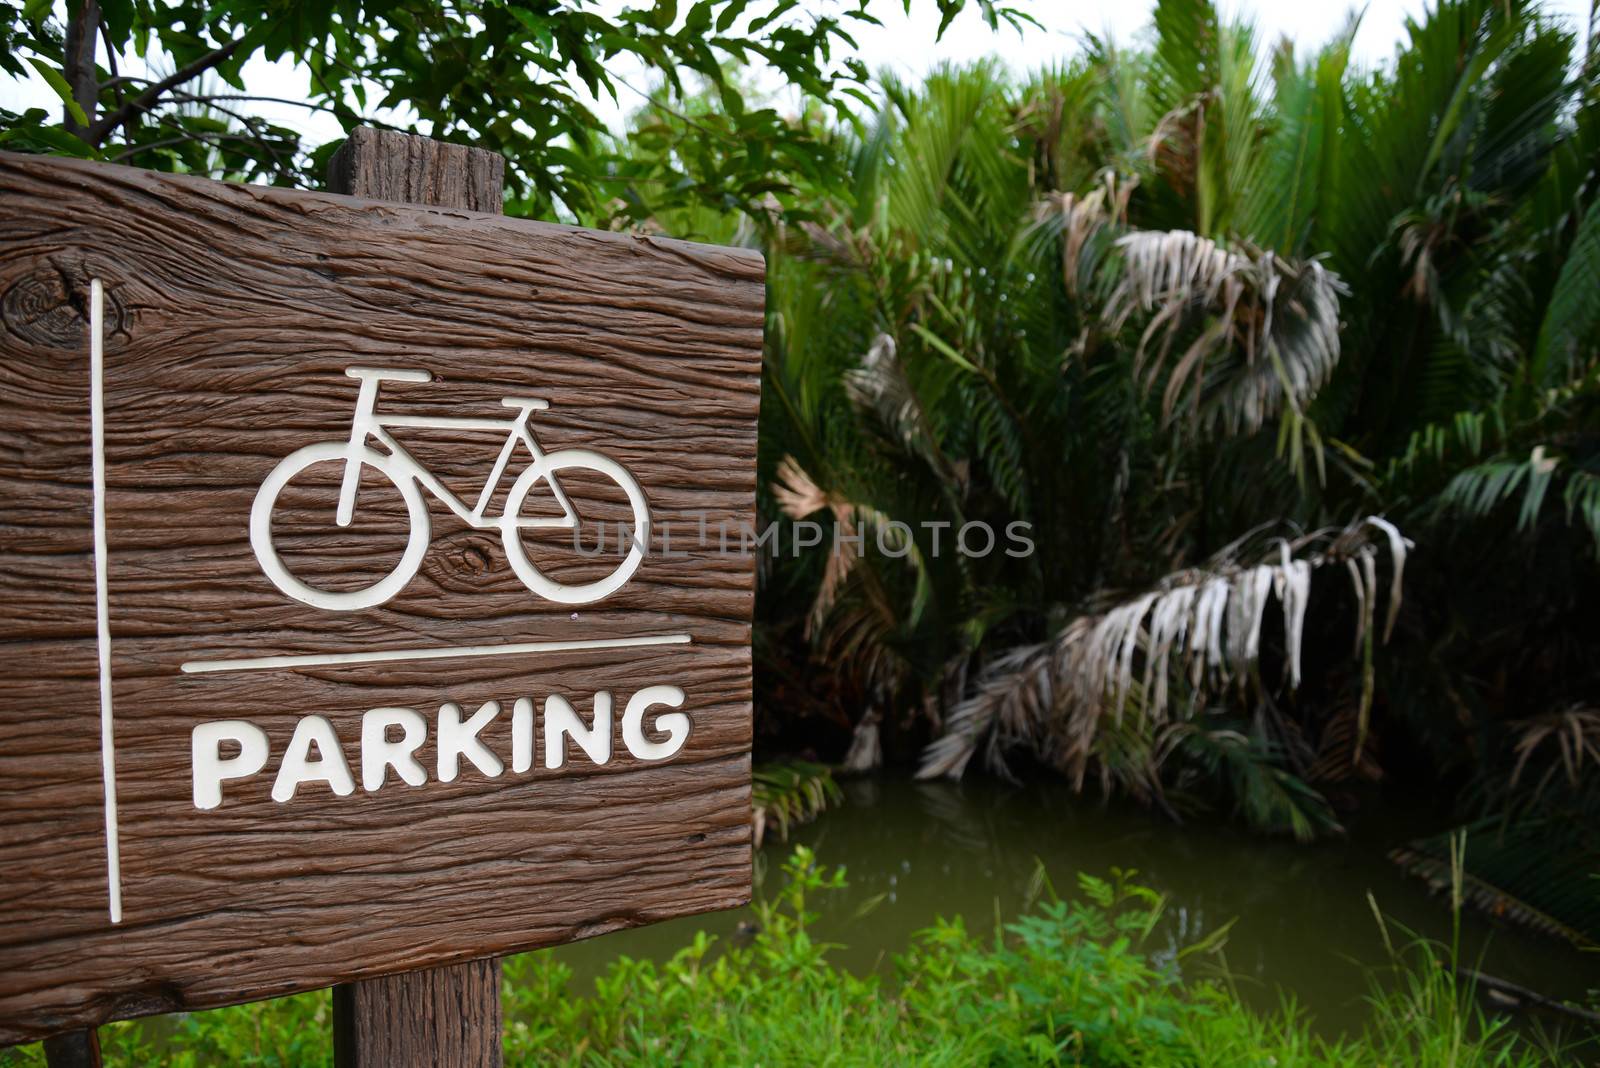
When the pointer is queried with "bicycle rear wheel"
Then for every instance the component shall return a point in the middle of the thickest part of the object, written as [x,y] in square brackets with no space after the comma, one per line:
[272,564]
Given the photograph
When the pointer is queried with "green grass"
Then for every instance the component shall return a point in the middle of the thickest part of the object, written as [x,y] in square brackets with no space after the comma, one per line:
[1071,982]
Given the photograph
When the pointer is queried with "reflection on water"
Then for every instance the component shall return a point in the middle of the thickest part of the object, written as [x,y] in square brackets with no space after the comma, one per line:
[942,849]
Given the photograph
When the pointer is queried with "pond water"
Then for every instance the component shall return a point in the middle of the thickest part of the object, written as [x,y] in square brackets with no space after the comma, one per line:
[1304,923]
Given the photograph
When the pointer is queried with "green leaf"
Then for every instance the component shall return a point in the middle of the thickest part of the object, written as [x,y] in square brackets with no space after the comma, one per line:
[730,14]
[54,138]
[1573,315]
[63,90]
[944,348]
[118,15]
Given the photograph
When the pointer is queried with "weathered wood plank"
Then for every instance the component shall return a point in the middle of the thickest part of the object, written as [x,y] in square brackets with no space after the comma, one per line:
[231,314]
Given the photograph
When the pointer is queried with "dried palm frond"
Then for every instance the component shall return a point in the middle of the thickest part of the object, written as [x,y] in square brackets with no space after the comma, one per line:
[1573,734]
[866,745]
[799,496]
[879,387]
[796,492]
[1200,625]
[1268,328]
[1079,220]
[1344,750]
[1021,691]
[862,624]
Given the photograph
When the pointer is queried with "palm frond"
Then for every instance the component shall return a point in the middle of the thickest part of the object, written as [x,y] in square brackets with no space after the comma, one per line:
[1478,490]
[1538,873]
[1566,743]
[1265,331]
[787,794]
[1265,793]
[1080,224]
[1566,337]
[1200,627]
[881,388]
[1281,206]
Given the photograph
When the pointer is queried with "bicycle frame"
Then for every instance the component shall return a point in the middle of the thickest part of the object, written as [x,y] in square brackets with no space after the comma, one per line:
[368,424]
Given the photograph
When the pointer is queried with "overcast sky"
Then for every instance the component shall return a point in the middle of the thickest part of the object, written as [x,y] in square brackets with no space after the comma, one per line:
[906,43]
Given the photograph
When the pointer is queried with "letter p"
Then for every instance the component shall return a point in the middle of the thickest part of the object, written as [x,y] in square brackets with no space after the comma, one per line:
[211,768]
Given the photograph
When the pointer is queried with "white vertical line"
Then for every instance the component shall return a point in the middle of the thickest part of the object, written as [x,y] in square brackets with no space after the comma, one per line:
[108,755]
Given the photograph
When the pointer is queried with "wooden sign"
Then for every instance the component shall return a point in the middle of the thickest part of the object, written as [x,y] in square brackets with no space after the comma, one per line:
[373,588]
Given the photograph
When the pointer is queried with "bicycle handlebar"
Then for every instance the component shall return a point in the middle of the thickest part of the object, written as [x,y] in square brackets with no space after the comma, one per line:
[529,403]
[388,374]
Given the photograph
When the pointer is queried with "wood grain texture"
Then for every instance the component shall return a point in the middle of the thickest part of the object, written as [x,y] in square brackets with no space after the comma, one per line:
[386,165]
[447,1016]
[231,314]
[439,1017]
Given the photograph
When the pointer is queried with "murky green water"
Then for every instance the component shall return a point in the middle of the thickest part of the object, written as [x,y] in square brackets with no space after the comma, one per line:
[1304,924]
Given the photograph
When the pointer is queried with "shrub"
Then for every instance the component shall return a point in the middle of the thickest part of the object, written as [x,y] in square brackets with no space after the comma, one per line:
[1070,983]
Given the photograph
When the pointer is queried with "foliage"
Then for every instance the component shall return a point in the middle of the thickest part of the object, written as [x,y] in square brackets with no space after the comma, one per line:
[1424,1011]
[1071,982]
[1172,316]
[1538,872]
[788,794]
[504,75]
[1155,308]
[1536,860]
[292,1032]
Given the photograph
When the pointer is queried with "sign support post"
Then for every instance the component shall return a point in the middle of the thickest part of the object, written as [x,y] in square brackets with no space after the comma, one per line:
[447,1017]
[75,1049]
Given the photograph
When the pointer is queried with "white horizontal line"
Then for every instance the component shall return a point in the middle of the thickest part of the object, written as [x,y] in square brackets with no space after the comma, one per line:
[384,656]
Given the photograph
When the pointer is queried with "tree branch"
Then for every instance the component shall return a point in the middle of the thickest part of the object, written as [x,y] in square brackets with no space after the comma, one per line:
[252,125]
[184,138]
[79,68]
[207,98]
[115,81]
[146,100]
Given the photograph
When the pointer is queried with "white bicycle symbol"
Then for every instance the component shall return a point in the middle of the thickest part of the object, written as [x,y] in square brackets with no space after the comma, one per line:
[402,469]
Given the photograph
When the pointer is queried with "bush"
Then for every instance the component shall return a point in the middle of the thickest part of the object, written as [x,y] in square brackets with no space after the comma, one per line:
[1071,983]
[1068,984]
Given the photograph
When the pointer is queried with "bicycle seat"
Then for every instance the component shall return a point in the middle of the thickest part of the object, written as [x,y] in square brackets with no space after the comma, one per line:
[525,403]
[388,374]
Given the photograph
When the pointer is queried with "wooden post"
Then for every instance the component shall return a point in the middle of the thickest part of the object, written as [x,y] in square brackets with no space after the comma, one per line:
[75,1049]
[384,165]
[440,1017]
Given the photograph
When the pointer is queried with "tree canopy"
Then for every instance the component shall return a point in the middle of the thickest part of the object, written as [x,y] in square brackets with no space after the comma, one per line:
[514,76]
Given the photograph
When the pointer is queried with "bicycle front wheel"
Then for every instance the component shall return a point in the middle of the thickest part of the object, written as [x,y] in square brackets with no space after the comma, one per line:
[517,553]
